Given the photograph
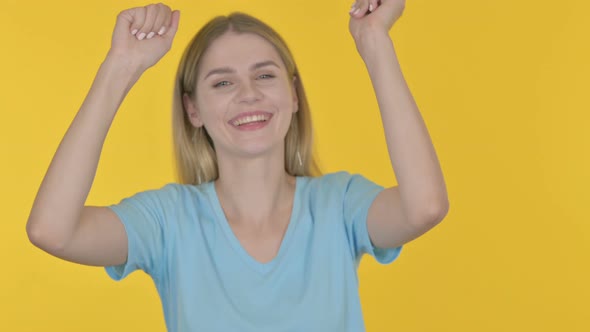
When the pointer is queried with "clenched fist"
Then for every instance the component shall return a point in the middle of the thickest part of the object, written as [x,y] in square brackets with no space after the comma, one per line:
[143,35]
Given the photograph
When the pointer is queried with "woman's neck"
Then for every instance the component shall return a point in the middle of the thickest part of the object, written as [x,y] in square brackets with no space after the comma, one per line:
[255,190]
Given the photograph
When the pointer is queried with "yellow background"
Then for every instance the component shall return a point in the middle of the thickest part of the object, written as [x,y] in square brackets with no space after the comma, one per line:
[502,86]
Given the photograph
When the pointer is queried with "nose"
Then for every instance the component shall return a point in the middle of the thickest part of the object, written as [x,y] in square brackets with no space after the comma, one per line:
[248,92]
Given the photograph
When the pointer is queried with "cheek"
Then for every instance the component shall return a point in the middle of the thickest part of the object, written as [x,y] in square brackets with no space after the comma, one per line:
[212,107]
[284,98]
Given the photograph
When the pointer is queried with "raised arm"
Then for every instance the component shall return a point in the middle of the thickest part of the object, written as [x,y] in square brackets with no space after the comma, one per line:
[404,212]
[59,223]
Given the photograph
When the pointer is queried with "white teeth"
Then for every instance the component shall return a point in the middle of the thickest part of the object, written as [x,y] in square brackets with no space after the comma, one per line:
[249,119]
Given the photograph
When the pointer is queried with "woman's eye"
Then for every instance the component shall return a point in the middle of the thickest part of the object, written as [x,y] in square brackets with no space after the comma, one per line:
[266,76]
[222,83]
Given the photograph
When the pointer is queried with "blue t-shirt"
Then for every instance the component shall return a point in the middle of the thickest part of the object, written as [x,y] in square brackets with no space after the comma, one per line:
[208,282]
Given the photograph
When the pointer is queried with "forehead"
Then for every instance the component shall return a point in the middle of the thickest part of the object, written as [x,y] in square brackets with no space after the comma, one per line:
[238,50]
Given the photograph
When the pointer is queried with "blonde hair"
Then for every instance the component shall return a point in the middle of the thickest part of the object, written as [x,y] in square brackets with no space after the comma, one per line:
[196,160]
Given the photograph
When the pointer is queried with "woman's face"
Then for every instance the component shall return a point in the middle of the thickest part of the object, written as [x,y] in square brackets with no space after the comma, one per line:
[244,97]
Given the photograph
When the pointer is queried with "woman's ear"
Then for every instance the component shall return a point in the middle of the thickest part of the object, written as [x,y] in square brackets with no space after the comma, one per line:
[295,98]
[191,111]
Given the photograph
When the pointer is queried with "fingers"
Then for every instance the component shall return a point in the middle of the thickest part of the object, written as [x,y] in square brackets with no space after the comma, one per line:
[137,20]
[167,22]
[373,4]
[151,17]
[150,21]
[173,27]
[359,8]
[363,7]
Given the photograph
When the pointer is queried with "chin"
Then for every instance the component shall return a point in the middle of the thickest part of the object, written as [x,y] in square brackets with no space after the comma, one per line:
[255,149]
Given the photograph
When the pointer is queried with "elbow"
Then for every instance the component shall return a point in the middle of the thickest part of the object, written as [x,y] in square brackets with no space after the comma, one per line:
[431,216]
[41,237]
[439,212]
[35,234]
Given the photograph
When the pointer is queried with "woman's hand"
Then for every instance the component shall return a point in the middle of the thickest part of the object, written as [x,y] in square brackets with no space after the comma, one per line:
[143,35]
[374,16]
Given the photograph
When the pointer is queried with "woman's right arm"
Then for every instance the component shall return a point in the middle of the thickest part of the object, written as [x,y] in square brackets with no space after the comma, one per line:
[59,223]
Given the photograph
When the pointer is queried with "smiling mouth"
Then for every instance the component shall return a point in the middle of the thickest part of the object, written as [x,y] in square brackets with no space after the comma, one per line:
[250,119]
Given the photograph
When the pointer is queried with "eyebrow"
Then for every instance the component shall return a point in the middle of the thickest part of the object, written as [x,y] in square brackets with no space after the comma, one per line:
[227,70]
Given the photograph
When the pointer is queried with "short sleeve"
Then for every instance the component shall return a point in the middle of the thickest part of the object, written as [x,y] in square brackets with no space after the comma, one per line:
[358,197]
[143,216]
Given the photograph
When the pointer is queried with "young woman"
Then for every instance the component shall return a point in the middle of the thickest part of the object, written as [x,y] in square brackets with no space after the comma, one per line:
[252,238]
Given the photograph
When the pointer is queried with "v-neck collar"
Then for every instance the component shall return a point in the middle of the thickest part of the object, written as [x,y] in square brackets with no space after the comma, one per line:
[259,267]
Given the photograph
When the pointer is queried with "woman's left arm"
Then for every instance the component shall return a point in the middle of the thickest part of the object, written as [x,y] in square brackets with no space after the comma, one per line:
[402,213]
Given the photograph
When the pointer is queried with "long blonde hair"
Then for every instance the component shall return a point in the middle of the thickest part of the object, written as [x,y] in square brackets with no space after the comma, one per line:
[196,160]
